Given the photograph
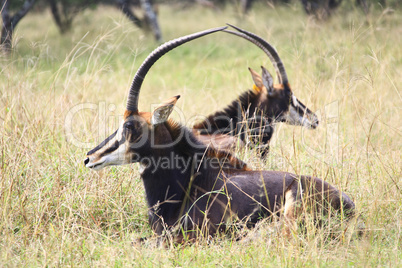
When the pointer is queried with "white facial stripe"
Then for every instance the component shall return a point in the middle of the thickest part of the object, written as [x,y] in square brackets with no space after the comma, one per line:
[295,101]
[293,117]
[116,157]
[119,134]
[111,142]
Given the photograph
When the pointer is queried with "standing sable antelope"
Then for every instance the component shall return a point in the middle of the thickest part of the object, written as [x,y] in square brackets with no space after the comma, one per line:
[197,188]
[254,113]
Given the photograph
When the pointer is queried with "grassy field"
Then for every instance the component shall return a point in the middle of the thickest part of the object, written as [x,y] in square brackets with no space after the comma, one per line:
[56,212]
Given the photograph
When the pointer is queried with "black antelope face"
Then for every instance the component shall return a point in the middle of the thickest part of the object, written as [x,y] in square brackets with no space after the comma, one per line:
[120,147]
[132,140]
[281,103]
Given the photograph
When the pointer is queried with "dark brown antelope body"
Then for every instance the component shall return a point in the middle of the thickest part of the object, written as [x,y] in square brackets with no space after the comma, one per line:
[195,187]
[251,116]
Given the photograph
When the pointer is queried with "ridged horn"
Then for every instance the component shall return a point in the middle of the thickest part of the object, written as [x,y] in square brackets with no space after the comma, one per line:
[267,48]
[132,100]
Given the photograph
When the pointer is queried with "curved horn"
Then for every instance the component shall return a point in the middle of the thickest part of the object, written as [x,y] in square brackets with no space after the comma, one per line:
[132,100]
[267,48]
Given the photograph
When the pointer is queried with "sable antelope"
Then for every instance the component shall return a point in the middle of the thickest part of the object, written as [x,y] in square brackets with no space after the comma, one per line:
[199,188]
[254,113]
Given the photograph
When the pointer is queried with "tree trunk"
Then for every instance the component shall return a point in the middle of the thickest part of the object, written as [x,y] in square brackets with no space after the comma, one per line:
[125,7]
[321,9]
[246,6]
[64,25]
[6,30]
[152,19]
[9,22]
[363,4]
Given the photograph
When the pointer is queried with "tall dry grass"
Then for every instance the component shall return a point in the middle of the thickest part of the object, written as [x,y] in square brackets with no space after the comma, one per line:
[55,212]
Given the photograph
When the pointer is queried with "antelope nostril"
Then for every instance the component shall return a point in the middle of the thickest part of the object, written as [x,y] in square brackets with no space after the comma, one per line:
[86,161]
[315,124]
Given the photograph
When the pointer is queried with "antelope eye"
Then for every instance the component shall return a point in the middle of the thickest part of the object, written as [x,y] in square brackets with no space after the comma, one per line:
[129,125]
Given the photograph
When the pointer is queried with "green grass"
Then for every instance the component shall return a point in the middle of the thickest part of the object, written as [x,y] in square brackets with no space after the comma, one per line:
[56,212]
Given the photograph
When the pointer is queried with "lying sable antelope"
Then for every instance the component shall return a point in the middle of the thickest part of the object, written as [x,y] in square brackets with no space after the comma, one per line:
[251,117]
[197,188]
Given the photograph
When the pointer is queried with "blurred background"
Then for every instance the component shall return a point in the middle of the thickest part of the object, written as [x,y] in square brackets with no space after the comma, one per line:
[144,13]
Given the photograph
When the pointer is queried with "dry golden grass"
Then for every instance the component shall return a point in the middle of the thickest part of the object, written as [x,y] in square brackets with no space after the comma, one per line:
[55,212]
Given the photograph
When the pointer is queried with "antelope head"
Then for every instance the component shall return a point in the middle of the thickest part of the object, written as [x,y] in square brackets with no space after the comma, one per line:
[278,99]
[140,135]
[132,141]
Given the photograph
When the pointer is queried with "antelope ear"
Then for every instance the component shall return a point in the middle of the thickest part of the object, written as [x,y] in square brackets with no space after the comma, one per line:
[268,81]
[162,112]
[257,80]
